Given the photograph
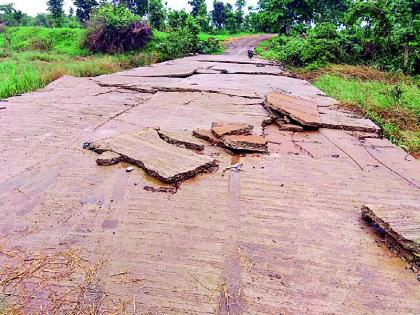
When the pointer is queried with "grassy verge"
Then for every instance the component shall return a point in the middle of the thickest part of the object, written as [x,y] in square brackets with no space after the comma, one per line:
[32,57]
[391,100]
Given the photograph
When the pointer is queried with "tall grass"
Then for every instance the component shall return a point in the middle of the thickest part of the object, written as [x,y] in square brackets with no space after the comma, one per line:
[395,107]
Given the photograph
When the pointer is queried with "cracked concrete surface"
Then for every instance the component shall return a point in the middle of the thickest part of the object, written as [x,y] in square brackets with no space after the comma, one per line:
[281,235]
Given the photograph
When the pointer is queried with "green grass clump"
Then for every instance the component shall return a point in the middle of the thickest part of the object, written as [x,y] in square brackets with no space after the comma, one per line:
[395,107]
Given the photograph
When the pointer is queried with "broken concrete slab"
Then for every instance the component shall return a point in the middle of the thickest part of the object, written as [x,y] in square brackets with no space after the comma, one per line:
[246,143]
[221,129]
[181,138]
[145,149]
[255,69]
[207,135]
[401,224]
[334,118]
[304,111]
[108,158]
[288,127]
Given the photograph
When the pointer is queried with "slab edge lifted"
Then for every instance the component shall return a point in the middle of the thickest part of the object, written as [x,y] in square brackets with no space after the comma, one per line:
[166,162]
[403,237]
[299,109]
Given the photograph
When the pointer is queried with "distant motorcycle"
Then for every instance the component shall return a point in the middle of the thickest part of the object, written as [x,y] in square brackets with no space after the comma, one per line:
[251,53]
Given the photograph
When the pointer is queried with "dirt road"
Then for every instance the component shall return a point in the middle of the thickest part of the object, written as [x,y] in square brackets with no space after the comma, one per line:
[281,234]
[240,47]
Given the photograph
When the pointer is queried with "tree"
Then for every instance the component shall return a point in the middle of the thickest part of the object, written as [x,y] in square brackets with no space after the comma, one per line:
[239,14]
[9,15]
[55,7]
[231,23]
[199,7]
[218,14]
[156,14]
[139,7]
[84,9]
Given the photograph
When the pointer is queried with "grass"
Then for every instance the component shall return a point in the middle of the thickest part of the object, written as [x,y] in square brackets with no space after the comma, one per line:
[32,57]
[391,100]
[393,105]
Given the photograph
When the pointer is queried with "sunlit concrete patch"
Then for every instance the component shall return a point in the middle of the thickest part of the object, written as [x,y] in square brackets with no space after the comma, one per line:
[221,129]
[246,143]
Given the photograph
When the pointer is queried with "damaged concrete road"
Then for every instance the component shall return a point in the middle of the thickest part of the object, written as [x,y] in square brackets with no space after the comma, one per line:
[246,143]
[301,110]
[159,159]
[277,233]
[181,138]
[401,225]
[221,129]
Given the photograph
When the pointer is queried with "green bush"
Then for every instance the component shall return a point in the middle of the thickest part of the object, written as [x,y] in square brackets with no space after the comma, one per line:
[115,29]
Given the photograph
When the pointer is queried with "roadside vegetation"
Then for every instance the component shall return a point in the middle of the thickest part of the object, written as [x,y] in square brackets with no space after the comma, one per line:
[365,54]
[99,39]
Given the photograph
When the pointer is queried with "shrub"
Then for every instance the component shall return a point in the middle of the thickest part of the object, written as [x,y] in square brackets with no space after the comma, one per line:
[116,30]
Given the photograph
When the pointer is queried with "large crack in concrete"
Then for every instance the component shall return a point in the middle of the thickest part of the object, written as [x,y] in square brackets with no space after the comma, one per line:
[157,89]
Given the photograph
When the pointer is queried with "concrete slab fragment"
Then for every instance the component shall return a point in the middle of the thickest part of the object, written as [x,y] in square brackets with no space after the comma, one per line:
[108,158]
[207,135]
[166,162]
[247,143]
[401,225]
[334,118]
[221,129]
[181,138]
[299,109]
[288,127]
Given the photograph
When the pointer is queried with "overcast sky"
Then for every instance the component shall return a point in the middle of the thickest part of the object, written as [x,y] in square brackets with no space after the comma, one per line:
[32,7]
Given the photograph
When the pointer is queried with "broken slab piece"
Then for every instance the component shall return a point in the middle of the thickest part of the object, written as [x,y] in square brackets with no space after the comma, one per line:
[225,129]
[247,143]
[166,162]
[401,225]
[304,111]
[108,158]
[181,138]
[289,127]
[207,135]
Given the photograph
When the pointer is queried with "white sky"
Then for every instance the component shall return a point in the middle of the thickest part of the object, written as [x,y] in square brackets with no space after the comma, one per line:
[32,7]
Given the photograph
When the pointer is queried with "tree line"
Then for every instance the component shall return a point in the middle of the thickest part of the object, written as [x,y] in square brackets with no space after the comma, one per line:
[385,32]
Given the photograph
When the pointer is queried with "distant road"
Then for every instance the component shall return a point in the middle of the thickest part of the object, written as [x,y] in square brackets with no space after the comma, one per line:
[240,46]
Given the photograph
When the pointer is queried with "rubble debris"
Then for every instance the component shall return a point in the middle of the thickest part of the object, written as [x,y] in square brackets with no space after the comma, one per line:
[301,110]
[289,127]
[108,158]
[248,143]
[401,225]
[181,138]
[207,135]
[171,190]
[225,129]
[129,169]
[145,149]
